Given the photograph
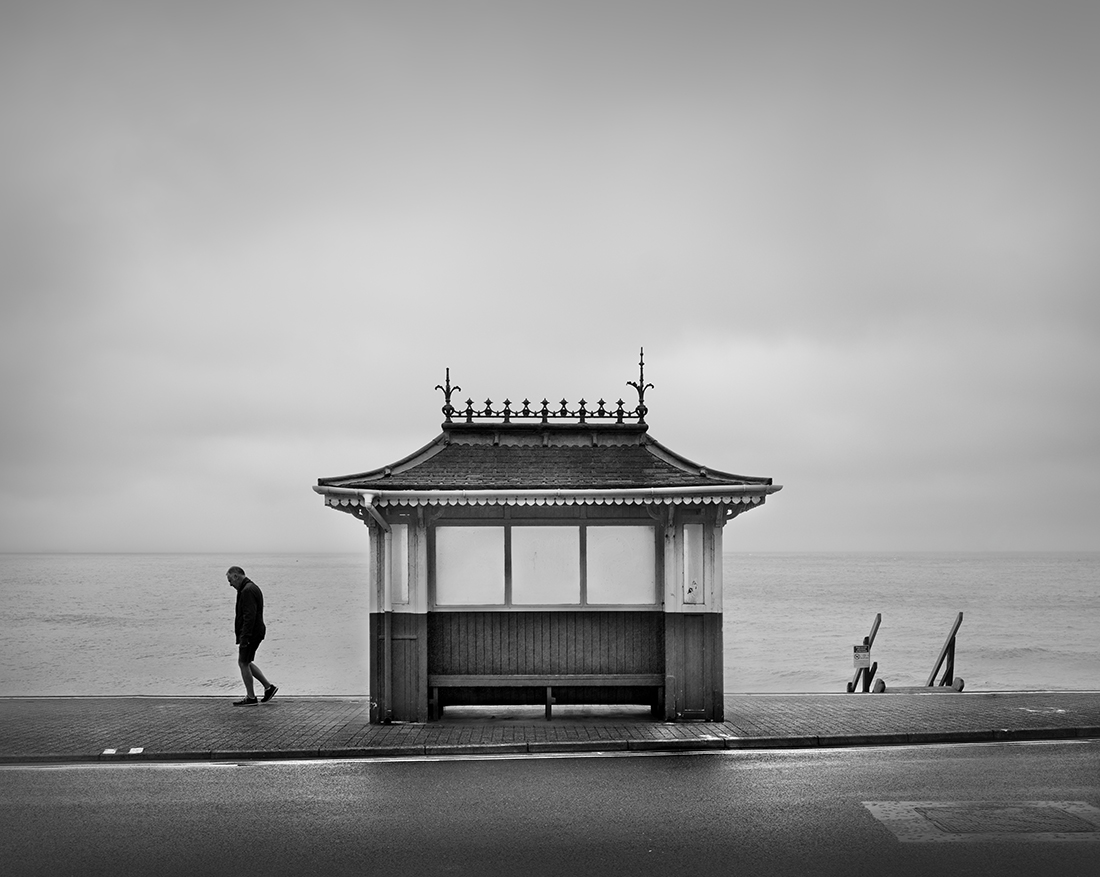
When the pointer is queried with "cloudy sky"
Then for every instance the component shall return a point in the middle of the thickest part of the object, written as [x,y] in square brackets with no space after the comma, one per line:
[240,242]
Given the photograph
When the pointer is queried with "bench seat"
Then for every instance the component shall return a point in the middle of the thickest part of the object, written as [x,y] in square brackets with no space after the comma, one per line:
[547,681]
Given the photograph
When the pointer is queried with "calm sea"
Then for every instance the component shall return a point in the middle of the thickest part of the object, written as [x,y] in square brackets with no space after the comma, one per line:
[104,624]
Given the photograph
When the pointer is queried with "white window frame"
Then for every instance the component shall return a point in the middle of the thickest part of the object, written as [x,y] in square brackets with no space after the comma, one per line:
[508,528]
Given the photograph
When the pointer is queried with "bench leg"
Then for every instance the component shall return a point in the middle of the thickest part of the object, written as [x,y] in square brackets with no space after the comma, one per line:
[658,708]
[549,700]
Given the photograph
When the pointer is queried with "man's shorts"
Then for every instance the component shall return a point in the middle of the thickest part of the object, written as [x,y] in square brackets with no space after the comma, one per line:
[247,654]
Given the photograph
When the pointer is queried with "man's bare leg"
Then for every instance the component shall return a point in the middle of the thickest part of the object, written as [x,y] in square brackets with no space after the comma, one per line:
[246,675]
[258,674]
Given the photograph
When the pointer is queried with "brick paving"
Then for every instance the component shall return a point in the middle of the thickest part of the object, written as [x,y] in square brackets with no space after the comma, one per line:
[60,729]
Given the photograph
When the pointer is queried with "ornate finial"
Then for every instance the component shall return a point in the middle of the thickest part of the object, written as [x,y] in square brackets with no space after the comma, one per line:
[641,386]
[448,408]
[545,413]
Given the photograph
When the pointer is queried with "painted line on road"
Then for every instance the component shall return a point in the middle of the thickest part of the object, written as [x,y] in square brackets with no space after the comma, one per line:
[121,765]
[988,821]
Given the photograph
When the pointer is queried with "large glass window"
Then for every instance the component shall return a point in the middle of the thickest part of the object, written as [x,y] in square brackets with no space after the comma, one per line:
[399,562]
[469,566]
[546,565]
[694,586]
[621,565]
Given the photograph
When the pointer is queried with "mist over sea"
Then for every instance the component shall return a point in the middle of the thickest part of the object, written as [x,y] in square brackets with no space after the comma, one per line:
[162,624]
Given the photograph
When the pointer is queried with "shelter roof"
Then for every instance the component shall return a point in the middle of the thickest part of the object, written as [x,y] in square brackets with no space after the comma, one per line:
[543,456]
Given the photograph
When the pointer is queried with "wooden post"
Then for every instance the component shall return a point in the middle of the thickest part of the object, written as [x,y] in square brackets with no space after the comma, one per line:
[868,641]
[946,653]
[949,671]
[387,627]
[868,675]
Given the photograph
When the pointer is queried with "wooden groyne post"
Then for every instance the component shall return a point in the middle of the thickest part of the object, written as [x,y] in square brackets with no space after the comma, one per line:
[868,672]
[947,653]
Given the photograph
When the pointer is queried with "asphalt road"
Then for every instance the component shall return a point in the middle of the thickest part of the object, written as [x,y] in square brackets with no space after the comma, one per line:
[775,813]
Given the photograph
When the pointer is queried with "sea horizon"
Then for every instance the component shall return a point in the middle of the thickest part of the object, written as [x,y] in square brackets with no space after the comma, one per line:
[140,622]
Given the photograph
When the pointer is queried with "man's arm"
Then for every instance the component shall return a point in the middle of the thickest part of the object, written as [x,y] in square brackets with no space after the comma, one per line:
[248,616]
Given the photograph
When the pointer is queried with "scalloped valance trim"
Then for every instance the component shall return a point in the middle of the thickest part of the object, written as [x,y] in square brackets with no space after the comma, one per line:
[727,495]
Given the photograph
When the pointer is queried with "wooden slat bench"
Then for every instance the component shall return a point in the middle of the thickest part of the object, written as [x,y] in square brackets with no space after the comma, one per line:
[547,681]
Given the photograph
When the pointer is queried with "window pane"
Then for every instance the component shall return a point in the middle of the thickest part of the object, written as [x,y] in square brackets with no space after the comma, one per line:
[694,586]
[546,565]
[469,566]
[621,565]
[399,562]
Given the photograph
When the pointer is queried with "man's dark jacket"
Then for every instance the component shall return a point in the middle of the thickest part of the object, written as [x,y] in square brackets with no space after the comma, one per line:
[249,623]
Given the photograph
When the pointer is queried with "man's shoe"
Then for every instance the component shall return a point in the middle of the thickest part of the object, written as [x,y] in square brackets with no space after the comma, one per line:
[269,693]
[248,701]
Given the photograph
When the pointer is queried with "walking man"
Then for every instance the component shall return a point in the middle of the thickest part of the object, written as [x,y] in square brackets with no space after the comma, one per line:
[250,630]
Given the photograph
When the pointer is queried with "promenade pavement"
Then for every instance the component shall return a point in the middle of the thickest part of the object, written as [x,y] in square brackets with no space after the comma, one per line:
[110,729]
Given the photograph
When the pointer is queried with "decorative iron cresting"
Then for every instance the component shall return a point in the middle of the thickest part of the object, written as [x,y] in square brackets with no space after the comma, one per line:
[544,412]
[641,386]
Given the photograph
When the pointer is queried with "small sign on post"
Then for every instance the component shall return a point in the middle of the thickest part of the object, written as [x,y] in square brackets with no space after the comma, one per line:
[861,657]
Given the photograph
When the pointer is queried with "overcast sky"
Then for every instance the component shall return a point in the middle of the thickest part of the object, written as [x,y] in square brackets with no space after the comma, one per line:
[240,242]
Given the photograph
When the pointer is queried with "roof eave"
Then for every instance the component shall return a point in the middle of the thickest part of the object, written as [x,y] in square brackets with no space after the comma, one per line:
[708,494]
[414,459]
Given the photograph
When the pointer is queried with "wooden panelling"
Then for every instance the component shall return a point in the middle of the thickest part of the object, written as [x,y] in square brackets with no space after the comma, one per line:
[694,663]
[408,696]
[694,684]
[497,643]
[684,647]
[535,695]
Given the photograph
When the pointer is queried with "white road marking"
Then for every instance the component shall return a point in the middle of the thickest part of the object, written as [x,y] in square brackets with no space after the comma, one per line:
[985,821]
[121,765]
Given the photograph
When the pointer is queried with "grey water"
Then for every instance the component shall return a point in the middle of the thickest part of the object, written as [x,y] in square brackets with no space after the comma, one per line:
[1030,621]
[162,624]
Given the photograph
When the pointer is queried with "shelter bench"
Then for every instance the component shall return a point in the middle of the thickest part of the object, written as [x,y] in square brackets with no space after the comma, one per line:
[655,681]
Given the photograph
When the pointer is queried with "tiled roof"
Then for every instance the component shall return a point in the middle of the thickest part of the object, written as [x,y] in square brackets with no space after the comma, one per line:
[483,465]
[462,466]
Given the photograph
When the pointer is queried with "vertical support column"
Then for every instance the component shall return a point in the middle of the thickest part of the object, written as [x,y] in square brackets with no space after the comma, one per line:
[693,618]
[387,627]
[672,578]
[715,657]
[375,624]
[399,636]
[418,613]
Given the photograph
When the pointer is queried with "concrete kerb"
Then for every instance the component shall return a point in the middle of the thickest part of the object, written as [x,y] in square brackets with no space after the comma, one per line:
[826,741]
[354,752]
[565,746]
[919,738]
[161,756]
[800,742]
[1034,733]
[444,749]
[679,744]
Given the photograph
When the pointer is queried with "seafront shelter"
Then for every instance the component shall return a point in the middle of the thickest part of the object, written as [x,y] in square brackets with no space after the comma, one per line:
[539,554]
